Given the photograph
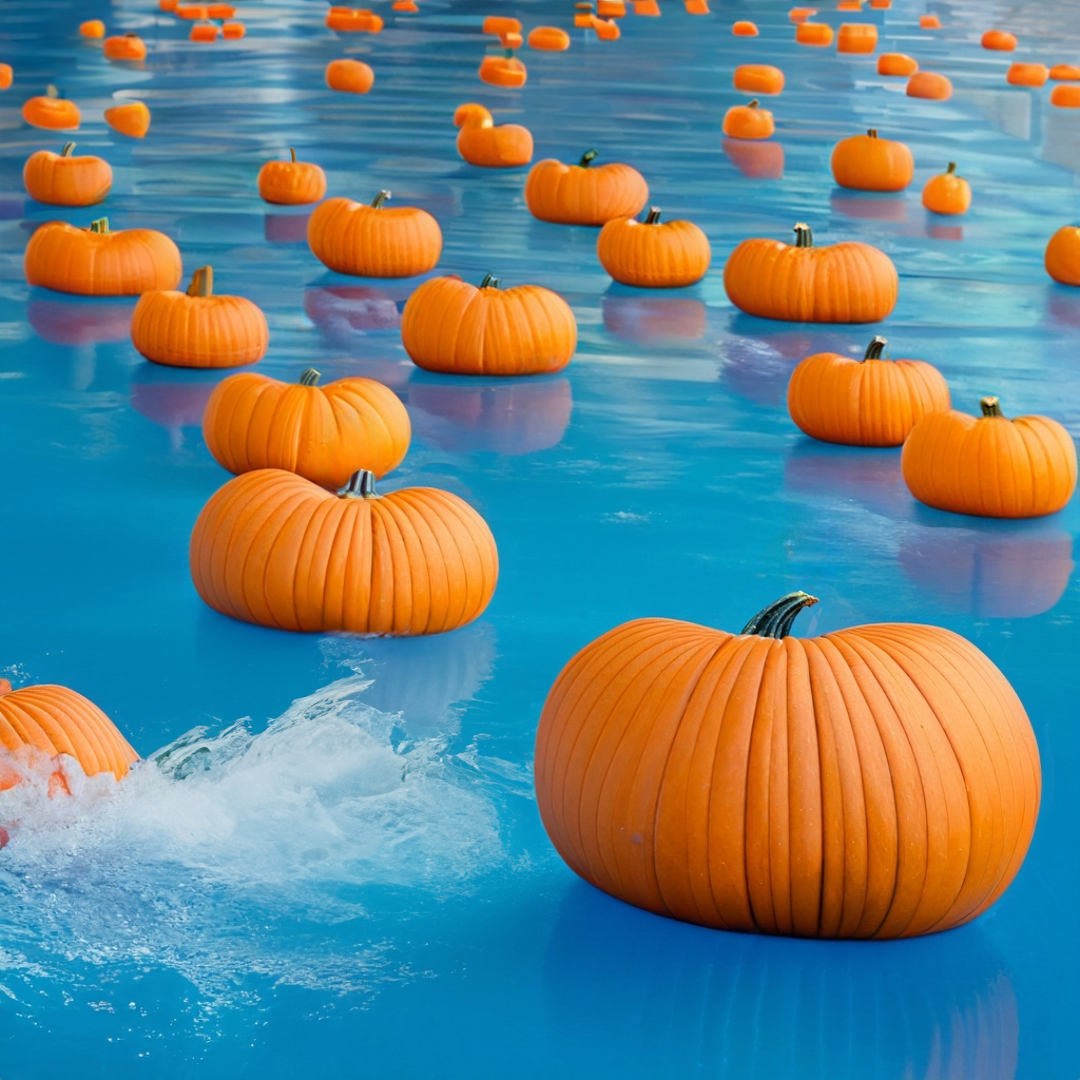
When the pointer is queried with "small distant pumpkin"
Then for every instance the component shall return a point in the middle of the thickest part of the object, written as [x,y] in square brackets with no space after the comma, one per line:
[606,29]
[451,326]
[353,20]
[868,163]
[857,38]
[291,183]
[897,64]
[1062,259]
[349,76]
[498,25]
[654,255]
[990,466]
[204,32]
[584,194]
[98,262]
[407,6]
[7,76]
[233,30]
[125,47]
[758,79]
[869,402]
[816,34]
[197,329]
[748,121]
[646,7]
[503,70]
[696,7]
[64,180]
[132,119]
[930,85]
[999,40]
[799,15]
[51,111]
[1065,97]
[376,240]
[1059,73]
[92,28]
[929,22]
[480,142]
[220,11]
[191,12]
[323,433]
[947,193]
[548,39]
[1027,74]
[611,9]
[744,28]
[583,16]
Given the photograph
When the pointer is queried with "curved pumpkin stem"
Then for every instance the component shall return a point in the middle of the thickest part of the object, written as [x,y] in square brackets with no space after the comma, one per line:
[804,235]
[379,199]
[69,148]
[309,376]
[654,215]
[361,485]
[292,151]
[490,281]
[100,226]
[991,407]
[876,349]
[202,282]
[775,620]
[588,158]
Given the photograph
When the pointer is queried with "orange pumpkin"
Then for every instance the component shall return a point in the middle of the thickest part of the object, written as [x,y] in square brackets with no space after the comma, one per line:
[654,255]
[1065,97]
[497,25]
[63,180]
[92,28]
[867,163]
[7,75]
[1027,74]
[800,14]
[220,11]
[204,32]
[849,5]
[845,786]
[947,193]
[353,20]
[696,7]
[125,47]
[323,433]
[405,5]
[1062,259]
[929,22]
[646,7]
[132,119]
[374,241]
[167,5]
[758,79]
[512,41]
[868,402]
[480,142]
[549,39]
[191,11]
[51,111]
[849,282]
[503,71]
[97,262]
[809,33]
[881,5]
[1059,72]
[744,28]
[583,16]
[582,194]
[999,40]
[606,30]
[611,9]
[990,466]
[275,549]
[349,76]
[748,121]
[451,326]
[896,64]
[291,183]
[857,38]
[53,720]
[927,84]
[233,30]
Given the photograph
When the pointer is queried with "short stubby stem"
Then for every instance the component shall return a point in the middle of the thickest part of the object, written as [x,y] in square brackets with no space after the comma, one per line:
[309,376]
[361,485]
[490,281]
[100,226]
[654,215]
[991,406]
[804,235]
[202,282]
[588,158]
[872,132]
[754,103]
[951,170]
[775,621]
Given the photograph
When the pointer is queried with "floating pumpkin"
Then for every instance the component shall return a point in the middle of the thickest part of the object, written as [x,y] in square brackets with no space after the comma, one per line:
[405,5]
[999,40]
[848,282]
[583,16]
[606,29]
[810,33]
[1065,72]
[291,183]
[867,163]
[654,254]
[611,9]
[64,180]
[748,121]
[375,240]
[881,5]
[896,64]
[7,75]
[947,193]
[51,111]
[929,22]
[451,326]
[323,433]
[54,720]
[549,39]
[845,786]
[857,38]
[167,5]
[849,5]
[1062,257]
[744,28]
[646,7]
[758,79]
[990,466]
[696,7]
[204,32]
[928,84]
[220,11]
[132,119]
[92,28]
[125,47]
[349,76]
[353,20]
[1065,97]
[480,142]
[497,25]
[799,15]
[503,71]
[868,402]
[191,12]
[275,549]
[584,194]
[233,30]
[1027,74]
[97,262]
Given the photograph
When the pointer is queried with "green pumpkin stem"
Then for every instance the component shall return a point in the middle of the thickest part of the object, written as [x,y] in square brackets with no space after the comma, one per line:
[309,376]
[379,199]
[490,281]
[100,226]
[588,158]
[202,282]
[804,235]
[361,485]
[775,620]
[991,407]
[654,215]
[69,148]
[876,349]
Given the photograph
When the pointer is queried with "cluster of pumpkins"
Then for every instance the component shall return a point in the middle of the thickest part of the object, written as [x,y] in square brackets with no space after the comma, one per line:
[880,781]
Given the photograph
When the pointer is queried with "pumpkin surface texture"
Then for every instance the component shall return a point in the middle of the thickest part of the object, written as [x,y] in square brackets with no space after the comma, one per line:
[584,194]
[291,183]
[947,193]
[50,110]
[868,163]
[1062,258]
[64,180]
[748,122]
[654,254]
[132,119]
[480,142]
[851,785]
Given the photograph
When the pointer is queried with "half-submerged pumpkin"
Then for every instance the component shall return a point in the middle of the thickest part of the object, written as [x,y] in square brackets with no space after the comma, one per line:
[275,549]
[852,785]
[51,111]
[451,326]
[1065,97]
[353,20]
[64,180]
[548,39]
[857,38]
[848,282]
[999,40]
[1027,74]
[869,402]
[744,28]
[654,255]
[897,64]
[758,79]
[748,121]
[125,47]
[197,329]
[7,76]
[929,85]
[1062,258]
[584,194]
[349,76]
[323,433]
[132,119]
[92,28]
[947,193]
[503,70]
[98,262]
[480,142]
[990,466]
[819,35]
[867,163]
[291,183]
[375,240]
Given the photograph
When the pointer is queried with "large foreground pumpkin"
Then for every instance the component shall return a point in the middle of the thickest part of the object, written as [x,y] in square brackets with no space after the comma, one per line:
[876,782]
[275,549]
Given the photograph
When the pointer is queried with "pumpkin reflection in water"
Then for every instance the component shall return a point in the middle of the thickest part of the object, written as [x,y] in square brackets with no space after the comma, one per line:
[78,321]
[644,319]
[174,398]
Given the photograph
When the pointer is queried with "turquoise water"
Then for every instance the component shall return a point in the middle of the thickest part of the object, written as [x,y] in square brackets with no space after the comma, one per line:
[339,864]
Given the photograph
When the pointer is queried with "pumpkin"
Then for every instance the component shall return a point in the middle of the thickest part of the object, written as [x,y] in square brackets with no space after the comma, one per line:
[654,255]
[323,433]
[204,32]
[125,47]
[611,9]
[549,39]
[583,194]
[497,25]
[583,16]
[848,282]
[406,6]
[809,33]
[54,720]
[353,20]
[852,785]
[927,84]
[350,76]
[503,71]
[857,38]
[51,111]
[999,40]
[646,7]
[755,159]
[63,180]
[275,549]
[451,326]
[744,28]
[7,75]
[97,262]
[748,121]
[1065,97]
[881,5]
[197,329]
[800,14]
[512,41]
[480,142]
[374,241]
[606,30]
[929,22]
[896,64]
[92,28]
[233,30]
[220,11]
[696,7]
[1027,74]
[167,5]
[947,193]
[868,402]
[291,183]
[867,163]
[1065,72]
[132,119]
[849,5]
[758,79]
[191,12]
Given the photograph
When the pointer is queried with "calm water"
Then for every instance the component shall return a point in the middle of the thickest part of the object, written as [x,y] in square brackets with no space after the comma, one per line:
[340,864]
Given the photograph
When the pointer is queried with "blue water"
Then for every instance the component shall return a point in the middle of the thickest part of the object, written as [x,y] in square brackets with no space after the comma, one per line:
[337,867]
